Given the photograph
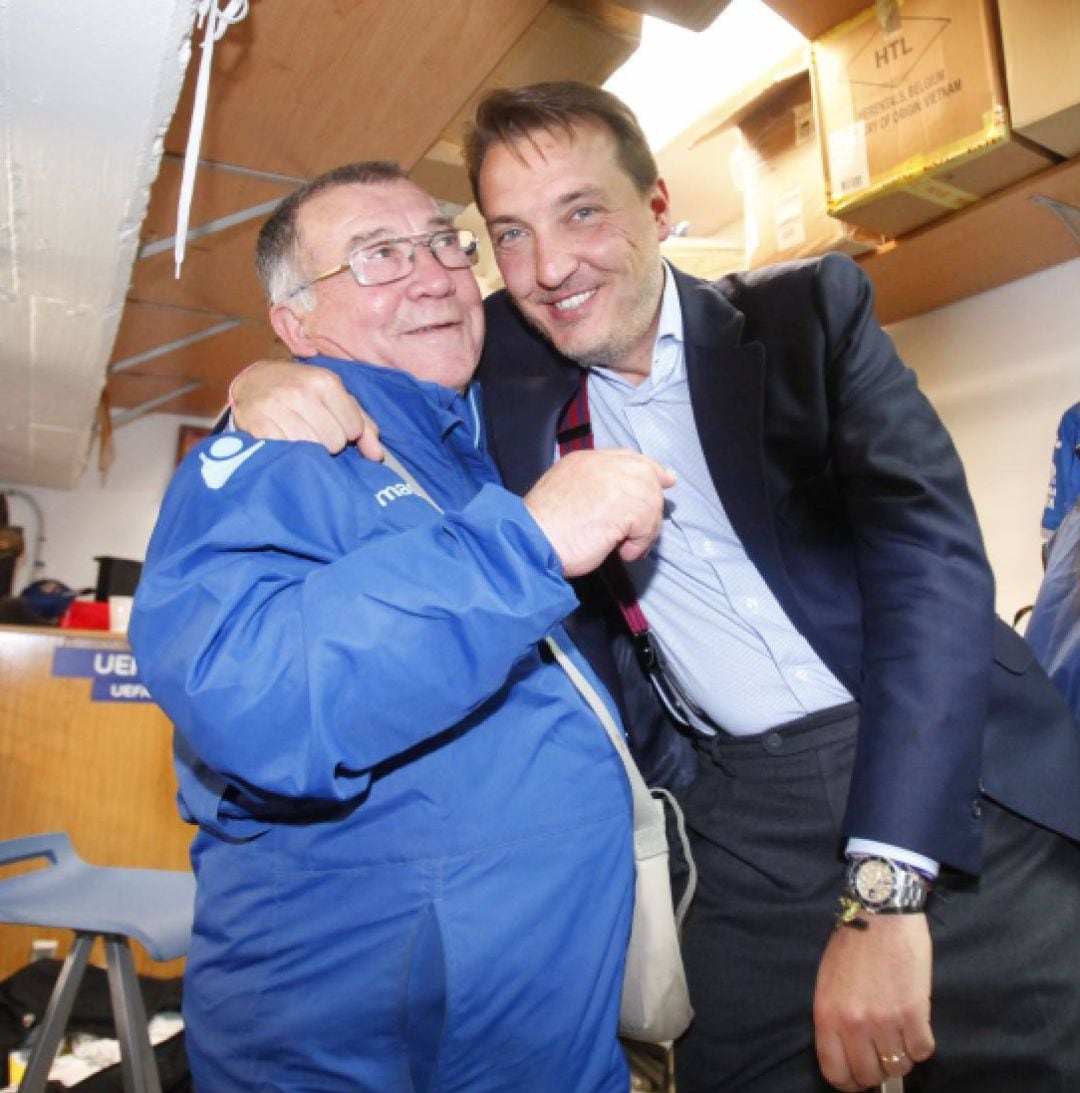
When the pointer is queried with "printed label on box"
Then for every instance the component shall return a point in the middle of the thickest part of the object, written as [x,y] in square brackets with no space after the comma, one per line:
[849,164]
[804,123]
[790,225]
[887,61]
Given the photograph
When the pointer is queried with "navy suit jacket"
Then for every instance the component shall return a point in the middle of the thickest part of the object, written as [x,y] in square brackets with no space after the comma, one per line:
[848,496]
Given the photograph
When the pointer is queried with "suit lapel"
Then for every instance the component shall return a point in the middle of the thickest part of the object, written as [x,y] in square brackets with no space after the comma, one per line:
[726,377]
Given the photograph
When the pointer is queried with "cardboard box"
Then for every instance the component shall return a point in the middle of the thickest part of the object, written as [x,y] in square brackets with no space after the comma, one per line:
[911,100]
[1041,40]
[783,185]
[700,167]
[748,174]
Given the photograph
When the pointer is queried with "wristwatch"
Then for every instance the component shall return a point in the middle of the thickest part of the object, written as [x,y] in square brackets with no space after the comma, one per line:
[880,886]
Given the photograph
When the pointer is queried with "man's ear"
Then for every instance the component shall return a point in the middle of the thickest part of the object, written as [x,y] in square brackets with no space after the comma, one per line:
[660,207]
[289,327]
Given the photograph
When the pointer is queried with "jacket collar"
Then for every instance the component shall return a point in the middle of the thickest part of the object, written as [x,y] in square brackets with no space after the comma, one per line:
[400,403]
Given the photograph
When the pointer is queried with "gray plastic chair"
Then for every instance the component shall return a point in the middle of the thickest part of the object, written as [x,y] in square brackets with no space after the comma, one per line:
[154,906]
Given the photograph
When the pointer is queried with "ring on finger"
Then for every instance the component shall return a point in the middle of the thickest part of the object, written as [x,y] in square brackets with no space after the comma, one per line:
[893,1059]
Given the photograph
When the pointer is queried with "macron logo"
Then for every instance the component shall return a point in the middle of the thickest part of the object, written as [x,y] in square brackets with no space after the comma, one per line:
[392,493]
[223,458]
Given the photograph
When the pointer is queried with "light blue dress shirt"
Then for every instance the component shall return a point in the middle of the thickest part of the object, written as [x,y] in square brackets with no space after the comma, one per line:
[707,606]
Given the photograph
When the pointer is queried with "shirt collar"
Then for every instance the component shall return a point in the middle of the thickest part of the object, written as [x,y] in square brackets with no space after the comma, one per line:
[391,395]
[668,357]
[671,320]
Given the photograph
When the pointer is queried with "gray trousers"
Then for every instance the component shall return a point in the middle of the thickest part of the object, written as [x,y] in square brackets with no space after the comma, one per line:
[764,817]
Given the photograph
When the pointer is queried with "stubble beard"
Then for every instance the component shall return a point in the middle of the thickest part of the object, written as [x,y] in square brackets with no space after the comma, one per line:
[609,351]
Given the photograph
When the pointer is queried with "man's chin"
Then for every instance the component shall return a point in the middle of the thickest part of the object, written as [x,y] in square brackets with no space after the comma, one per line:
[563,342]
[581,352]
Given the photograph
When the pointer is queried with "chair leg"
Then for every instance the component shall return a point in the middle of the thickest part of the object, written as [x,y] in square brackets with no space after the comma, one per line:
[56,1015]
[138,1067]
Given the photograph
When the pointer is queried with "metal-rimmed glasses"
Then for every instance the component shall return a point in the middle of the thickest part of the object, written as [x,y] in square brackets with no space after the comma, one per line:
[390,260]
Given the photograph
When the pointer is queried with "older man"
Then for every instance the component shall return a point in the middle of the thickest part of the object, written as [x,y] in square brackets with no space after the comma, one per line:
[414,863]
[863,727]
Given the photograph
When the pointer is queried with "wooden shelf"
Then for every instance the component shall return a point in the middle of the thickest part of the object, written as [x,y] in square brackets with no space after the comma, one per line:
[1000,239]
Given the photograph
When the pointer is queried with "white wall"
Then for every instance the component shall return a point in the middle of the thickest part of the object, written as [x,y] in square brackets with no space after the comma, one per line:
[113,518]
[1000,368]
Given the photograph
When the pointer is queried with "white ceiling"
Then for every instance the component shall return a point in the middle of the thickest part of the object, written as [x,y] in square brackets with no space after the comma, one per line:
[86,93]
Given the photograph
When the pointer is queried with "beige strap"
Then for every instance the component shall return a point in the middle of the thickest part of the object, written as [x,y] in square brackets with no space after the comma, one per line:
[649,829]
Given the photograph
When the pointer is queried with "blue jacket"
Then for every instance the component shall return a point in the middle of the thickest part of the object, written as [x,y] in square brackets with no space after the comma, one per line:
[383,767]
[1054,627]
[1064,486]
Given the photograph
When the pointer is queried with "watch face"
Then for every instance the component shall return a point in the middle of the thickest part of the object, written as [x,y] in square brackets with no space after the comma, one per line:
[874,881]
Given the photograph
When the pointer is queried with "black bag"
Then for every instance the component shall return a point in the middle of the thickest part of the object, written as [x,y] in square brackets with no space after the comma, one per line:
[24,997]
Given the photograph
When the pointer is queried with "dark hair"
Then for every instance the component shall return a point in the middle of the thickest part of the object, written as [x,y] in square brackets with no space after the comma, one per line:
[276,248]
[505,116]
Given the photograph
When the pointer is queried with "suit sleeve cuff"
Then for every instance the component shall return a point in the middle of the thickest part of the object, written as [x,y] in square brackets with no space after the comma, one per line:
[924,865]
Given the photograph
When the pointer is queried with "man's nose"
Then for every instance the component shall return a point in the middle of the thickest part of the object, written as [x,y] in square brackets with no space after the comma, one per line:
[554,262]
[429,276]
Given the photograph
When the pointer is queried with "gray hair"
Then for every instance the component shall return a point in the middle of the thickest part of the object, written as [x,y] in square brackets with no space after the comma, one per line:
[275,251]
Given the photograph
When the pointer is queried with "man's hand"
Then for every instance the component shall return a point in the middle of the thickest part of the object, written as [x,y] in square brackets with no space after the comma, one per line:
[591,503]
[873,1001]
[277,400]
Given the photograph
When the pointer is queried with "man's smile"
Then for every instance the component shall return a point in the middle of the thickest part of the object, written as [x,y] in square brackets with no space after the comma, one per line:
[445,326]
[572,303]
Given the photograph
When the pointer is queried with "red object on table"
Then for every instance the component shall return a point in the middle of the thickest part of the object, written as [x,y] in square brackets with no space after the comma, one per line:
[86,615]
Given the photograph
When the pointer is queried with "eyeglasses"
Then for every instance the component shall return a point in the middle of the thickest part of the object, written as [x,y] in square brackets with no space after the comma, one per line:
[391,260]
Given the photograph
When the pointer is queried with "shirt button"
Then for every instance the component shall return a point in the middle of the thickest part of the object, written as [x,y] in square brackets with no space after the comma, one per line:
[976,808]
[773,742]
[802,675]
[751,604]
